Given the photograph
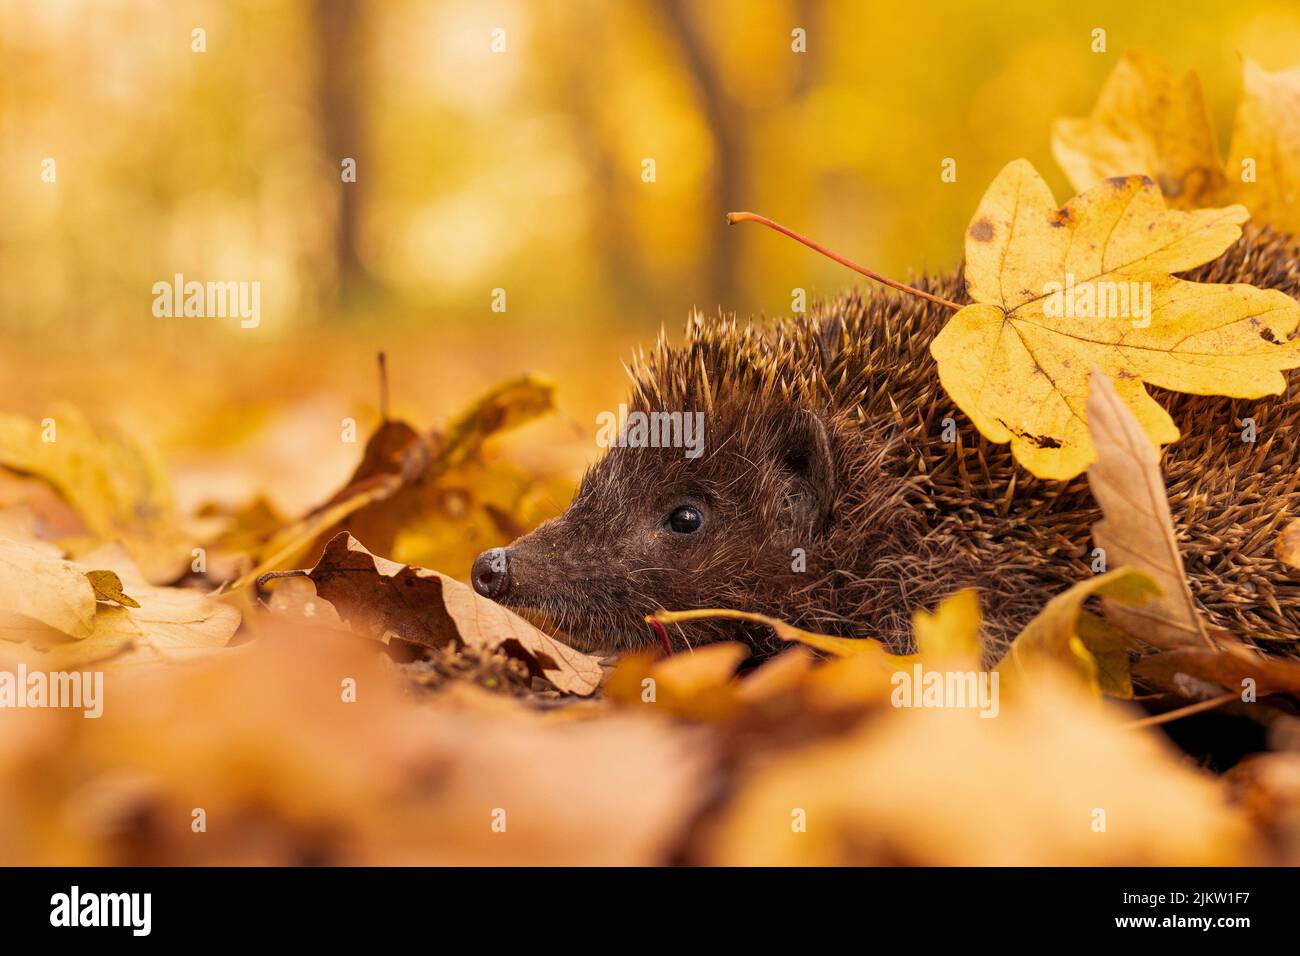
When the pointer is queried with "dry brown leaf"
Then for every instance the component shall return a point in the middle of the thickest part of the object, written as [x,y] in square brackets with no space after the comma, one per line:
[382,599]
[398,485]
[1137,529]
[1229,664]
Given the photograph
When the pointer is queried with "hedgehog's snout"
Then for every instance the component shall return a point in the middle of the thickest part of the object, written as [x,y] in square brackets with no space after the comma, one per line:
[491,573]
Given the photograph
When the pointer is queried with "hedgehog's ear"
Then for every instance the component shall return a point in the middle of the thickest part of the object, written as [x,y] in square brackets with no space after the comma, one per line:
[807,457]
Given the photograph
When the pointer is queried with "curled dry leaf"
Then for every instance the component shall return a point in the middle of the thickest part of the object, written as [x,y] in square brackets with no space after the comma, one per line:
[830,644]
[108,587]
[382,599]
[861,671]
[1230,664]
[952,631]
[1017,361]
[72,613]
[1137,529]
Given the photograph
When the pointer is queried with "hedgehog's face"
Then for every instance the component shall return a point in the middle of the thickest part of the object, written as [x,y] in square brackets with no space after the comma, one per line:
[709,526]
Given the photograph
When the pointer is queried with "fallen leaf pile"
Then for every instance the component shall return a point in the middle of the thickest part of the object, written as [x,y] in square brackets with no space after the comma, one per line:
[363,710]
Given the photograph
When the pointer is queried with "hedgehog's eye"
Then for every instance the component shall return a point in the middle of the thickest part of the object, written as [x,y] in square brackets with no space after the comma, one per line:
[685,520]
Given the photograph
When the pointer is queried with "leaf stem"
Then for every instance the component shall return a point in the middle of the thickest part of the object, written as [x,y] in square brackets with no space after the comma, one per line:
[735,217]
[1182,711]
[663,634]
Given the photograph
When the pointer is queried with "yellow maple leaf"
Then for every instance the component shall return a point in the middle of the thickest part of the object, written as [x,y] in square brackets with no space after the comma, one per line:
[1264,161]
[1063,635]
[1059,291]
[111,479]
[952,631]
[1150,121]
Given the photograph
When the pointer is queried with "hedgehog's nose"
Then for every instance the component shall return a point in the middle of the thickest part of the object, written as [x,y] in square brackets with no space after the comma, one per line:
[491,573]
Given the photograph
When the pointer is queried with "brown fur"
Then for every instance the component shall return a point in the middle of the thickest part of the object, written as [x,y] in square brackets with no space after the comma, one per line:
[891,518]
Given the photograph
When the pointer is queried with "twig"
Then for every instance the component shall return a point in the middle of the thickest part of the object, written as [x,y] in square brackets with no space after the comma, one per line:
[383,387]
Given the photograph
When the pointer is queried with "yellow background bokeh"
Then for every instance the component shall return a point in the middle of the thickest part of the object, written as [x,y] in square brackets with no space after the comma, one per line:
[519,169]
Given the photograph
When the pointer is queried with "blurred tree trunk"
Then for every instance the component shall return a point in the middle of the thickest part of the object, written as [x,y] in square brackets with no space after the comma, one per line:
[341,115]
[578,88]
[729,169]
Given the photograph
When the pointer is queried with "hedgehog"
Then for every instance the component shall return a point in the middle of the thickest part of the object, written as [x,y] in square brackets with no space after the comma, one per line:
[828,498]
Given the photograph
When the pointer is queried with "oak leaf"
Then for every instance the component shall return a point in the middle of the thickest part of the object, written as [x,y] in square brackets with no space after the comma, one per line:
[1017,361]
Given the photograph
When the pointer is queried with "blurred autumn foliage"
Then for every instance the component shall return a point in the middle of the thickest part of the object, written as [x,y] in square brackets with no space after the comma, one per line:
[515,175]
[477,170]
